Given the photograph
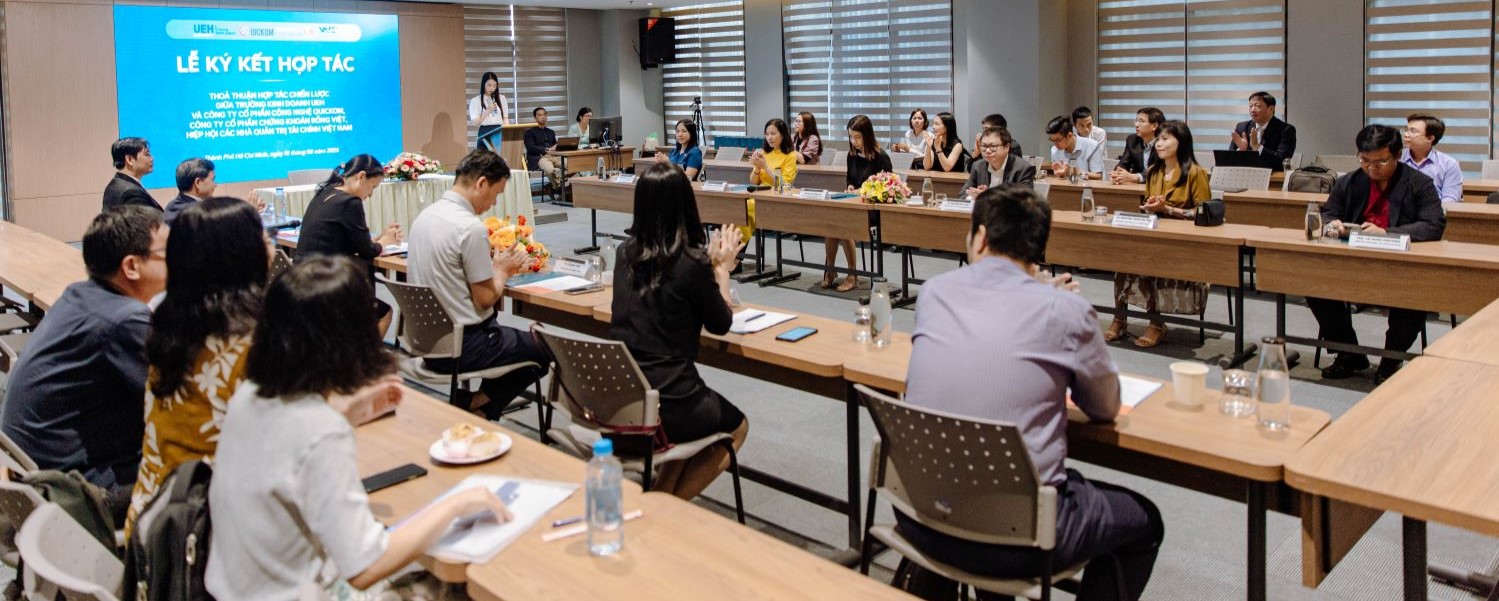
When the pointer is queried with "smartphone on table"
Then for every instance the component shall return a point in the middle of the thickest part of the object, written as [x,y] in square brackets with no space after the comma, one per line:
[795,334]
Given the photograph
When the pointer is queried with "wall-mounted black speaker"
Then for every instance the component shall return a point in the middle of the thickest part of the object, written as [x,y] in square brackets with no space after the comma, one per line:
[658,41]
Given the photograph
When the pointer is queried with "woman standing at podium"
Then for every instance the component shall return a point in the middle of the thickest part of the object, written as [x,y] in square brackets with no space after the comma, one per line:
[487,110]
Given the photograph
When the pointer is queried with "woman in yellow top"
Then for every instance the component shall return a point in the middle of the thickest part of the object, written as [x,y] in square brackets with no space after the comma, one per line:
[778,153]
[1174,185]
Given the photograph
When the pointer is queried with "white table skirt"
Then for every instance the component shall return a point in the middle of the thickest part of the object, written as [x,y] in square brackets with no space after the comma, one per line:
[399,202]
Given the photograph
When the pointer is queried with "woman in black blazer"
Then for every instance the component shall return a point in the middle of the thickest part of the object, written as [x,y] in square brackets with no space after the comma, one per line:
[1139,147]
[334,223]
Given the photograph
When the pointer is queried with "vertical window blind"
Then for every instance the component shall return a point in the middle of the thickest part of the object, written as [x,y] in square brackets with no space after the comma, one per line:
[881,58]
[1197,61]
[526,47]
[1433,56]
[710,66]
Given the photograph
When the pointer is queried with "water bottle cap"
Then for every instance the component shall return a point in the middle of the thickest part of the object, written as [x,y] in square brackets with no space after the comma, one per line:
[603,446]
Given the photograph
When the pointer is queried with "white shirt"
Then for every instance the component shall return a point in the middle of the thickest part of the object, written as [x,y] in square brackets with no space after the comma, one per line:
[286,501]
[917,142]
[1100,136]
[476,107]
[448,249]
[1087,153]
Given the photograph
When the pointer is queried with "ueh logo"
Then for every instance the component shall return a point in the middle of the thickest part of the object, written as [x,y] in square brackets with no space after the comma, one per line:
[202,28]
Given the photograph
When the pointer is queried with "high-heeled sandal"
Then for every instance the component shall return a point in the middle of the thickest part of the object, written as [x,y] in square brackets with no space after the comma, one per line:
[849,283]
[1115,331]
[827,281]
[1153,335]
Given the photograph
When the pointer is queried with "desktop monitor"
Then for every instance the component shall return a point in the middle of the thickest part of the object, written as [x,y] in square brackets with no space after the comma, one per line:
[610,129]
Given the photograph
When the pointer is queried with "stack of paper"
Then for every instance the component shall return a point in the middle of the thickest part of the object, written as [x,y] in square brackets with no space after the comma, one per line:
[480,542]
[750,321]
[542,283]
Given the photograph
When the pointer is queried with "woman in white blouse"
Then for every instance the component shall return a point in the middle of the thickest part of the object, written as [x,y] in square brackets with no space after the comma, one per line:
[917,138]
[487,110]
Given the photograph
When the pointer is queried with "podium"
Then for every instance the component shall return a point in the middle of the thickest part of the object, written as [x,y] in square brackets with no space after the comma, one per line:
[510,142]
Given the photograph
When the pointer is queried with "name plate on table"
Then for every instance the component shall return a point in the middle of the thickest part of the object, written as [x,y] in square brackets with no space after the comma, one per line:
[624,178]
[571,266]
[812,194]
[956,206]
[1395,242]
[1139,221]
[716,186]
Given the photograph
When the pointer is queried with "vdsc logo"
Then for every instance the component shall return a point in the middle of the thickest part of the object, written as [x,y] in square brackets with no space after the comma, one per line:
[327,29]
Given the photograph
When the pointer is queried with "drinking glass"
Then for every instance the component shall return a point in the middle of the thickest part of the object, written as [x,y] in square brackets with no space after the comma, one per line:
[939,199]
[1238,393]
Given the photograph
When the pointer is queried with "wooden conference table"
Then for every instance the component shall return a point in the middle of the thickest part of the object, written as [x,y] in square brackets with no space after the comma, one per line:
[586,159]
[37,267]
[1475,341]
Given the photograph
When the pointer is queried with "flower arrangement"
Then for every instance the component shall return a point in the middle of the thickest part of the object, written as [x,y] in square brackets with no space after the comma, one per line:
[884,188]
[503,235]
[410,165]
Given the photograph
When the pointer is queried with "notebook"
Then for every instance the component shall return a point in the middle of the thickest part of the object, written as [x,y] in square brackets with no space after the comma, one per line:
[750,321]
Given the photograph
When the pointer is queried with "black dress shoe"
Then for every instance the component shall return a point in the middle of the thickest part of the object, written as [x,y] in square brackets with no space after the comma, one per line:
[1342,368]
[1386,369]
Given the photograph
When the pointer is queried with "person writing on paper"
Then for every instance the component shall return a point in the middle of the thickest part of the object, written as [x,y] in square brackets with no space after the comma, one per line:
[686,153]
[946,152]
[805,138]
[579,129]
[671,283]
[1139,147]
[1174,185]
[917,138]
[1264,133]
[487,109]
[999,166]
[334,222]
[286,500]
[1068,148]
[1016,366]
[450,253]
[541,140]
[865,159]
[1383,196]
[778,154]
[1422,133]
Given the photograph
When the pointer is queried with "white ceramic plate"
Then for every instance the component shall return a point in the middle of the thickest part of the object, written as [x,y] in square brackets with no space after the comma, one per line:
[440,453]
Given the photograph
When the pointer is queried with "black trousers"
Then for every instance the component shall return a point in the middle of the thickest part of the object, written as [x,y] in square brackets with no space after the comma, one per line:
[488,344]
[1335,321]
[1117,530]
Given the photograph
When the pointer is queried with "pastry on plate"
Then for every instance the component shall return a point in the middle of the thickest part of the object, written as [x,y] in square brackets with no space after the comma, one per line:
[485,444]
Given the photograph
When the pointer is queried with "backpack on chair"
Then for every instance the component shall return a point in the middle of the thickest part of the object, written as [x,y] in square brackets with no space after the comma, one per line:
[167,554]
[1312,178]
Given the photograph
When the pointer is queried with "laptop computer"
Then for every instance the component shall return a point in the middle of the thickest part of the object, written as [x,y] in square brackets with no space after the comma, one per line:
[1239,158]
[567,143]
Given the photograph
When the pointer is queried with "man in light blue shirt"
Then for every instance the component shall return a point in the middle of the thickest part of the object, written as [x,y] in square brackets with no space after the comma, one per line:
[1422,133]
[1067,146]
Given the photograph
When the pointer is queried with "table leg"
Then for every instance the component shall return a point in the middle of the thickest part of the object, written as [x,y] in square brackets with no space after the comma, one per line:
[1413,537]
[1256,542]
[562,182]
[593,234]
[780,274]
[1280,316]
[760,272]
[851,409]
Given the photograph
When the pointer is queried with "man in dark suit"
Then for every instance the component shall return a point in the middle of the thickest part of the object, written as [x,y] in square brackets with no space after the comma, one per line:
[195,182]
[133,161]
[1264,133]
[1000,166]
[1384,195]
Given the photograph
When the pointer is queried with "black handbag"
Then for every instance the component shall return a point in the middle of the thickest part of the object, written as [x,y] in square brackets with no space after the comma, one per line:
[1210,213]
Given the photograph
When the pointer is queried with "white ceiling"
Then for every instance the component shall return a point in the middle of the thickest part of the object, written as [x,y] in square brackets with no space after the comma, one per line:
[591,4]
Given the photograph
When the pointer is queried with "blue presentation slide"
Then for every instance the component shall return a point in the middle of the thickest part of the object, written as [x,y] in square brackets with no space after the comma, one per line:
[259,93]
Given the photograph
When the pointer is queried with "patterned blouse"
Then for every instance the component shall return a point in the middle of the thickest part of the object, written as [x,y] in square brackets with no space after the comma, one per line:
[185,426]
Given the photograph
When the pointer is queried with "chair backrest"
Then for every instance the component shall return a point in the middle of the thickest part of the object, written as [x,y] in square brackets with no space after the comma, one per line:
[1339,163]
[17,501]
[601,380]
[1491,170]
[969,478]
[901,161]
[427,329]
[61,557]
[15,459]
[1251,178]
[303,177]
[729,155]
[1109,165]
[840,159]
[279,263]
[1296,161]
[1205,158]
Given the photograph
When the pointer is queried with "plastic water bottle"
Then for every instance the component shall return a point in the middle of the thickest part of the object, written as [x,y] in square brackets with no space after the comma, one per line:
[863,316]
[1088,206]
[1313,222]
[881,323]
[279,206]
[778,181]
[1072,174]
[927,195]
[606,526]
[600,169]
[1273,386]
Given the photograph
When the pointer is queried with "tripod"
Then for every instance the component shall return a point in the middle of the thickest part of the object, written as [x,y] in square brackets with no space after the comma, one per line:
[699,120]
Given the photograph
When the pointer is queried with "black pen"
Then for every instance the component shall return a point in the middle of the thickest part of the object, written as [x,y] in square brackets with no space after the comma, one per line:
[757,316]
[567,521]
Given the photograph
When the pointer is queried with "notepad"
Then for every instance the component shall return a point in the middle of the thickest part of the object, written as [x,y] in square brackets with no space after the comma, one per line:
[394,249]
[1132,392]
[556,283]
[482,541]
[750,321]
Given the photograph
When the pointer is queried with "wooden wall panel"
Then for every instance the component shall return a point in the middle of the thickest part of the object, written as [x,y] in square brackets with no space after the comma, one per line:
[433,99]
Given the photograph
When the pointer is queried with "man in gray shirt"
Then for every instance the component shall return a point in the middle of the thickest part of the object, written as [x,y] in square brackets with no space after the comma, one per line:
[449,252]
[995,341]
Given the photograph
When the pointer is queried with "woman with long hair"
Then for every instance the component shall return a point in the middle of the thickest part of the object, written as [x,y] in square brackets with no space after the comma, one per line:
[334,223]
[486,110]
[945,152]
[286,500]
[1174,185]
[865,158]
[1139,147]
[917,138]
[778,153]
[672,281]
[686,153]
[805,138]
[218,256]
